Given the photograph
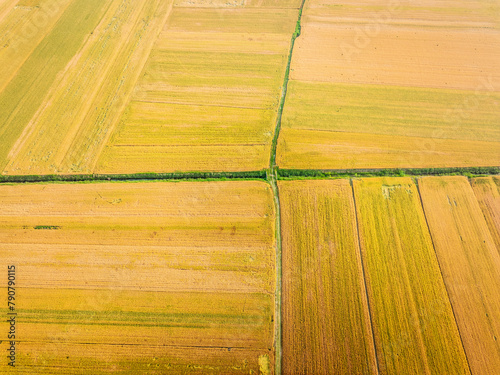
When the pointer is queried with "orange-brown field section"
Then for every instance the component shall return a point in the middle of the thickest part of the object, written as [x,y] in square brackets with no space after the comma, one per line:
[487,191]
[326,327]
[146,278]
[426,43]
[470,264]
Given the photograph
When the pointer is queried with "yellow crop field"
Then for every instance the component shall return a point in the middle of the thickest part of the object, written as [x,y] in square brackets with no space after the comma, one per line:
[470,264]
[147,278]
[25,92]
[208,96]
[358,126]
[413,323]
[487,192]
[22,28]
[326,326]
[396,85]
[67,132]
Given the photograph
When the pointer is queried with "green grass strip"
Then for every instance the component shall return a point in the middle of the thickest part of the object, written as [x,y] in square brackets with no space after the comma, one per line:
[296,174]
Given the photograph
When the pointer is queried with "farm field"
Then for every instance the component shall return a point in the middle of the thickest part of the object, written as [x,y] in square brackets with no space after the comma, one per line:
[103,103]
[424,72]
[250,273]
[487,192]
[142,277]
[208,97]
[22,27]
[326,326]
[470,263]
[394,302]
[25,92]
[413,322]
[339,126]
[68,130]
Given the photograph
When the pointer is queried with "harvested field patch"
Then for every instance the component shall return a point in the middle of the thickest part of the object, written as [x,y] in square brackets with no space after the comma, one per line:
[470,264]
[326,327]
[413,323]
[148,277]
[419,44]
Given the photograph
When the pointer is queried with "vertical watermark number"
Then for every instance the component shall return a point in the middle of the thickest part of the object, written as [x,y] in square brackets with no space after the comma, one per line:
[11,314]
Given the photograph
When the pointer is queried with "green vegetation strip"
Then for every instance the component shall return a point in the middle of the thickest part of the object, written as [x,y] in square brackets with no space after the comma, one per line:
[277,174]
[296,174]
[203,176]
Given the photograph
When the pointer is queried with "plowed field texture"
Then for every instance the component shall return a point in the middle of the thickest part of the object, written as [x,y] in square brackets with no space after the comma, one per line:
[390,276]
[141,278]
[398,84]
[140,86]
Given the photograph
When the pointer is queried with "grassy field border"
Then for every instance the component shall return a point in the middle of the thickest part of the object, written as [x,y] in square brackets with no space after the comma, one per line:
[198,176]
[274,144]
[264,174]
[297,174]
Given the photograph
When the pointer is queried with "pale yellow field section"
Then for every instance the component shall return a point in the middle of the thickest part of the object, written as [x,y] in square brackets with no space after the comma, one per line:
[47,36]
[208,96]
[326,324]
[141,278]
[23,25]
[413,323]
[487,191]
[470,264]
[405,84]
[67,132]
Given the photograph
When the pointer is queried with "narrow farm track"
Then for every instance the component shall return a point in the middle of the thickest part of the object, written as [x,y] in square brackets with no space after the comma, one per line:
[272,176]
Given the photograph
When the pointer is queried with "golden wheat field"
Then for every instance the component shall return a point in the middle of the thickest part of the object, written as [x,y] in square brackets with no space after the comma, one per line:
[339,126]
[470,264]
[425,73]
[326,326]
[146,278]
[413,323]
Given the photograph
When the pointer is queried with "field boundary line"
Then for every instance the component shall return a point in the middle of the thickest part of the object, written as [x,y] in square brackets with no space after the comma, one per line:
[264,174]
[272,177]
[293,174]
[284,89]
[278,334]
[175,176]
[441,272]
[360,252]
